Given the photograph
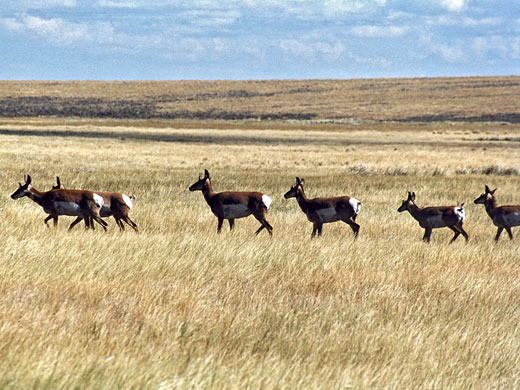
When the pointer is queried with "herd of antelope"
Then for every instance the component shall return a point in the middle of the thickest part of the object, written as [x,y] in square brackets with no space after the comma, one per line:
[89,206]
[93,206]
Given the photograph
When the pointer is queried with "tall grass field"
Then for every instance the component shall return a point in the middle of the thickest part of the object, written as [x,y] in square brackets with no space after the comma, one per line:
[178,306]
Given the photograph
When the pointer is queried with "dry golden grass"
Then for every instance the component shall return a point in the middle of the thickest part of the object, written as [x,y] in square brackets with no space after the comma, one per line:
[427,99]
[178,306]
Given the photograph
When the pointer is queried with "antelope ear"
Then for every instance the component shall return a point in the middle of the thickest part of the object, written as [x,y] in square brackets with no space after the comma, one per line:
[298,180]
[413,195]
[58,183]
[28,179]
[493,192]
[302,180]
[206,174]
[487,188]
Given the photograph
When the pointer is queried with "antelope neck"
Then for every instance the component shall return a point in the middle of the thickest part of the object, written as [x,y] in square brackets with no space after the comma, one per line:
[207,191]
[491,205]
[301,198]
[35,195]
[415,211]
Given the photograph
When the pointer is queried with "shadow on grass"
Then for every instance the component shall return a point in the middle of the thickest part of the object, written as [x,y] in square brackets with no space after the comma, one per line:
[247,139]
[184,138]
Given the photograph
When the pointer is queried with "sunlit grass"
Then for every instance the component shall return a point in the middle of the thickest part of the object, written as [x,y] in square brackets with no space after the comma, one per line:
[180,306]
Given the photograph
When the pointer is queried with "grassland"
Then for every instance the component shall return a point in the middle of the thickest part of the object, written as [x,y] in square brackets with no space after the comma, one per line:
[178,306]
[474,99]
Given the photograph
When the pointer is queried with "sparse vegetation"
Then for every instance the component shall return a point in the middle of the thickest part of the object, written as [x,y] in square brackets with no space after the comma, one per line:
[178,306]
[472,99]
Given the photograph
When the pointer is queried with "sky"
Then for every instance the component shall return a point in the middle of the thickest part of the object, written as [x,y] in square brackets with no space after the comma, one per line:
[257,39]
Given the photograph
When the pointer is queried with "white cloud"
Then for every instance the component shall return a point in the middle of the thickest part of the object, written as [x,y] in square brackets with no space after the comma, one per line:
[515,48]
[296,48]
[309,10]
[60,32]
[219,45]
[296,7]
[11,24]
[335,7]
[497,47]
[198,49]
[214,18]
[472,22]
[453,5]
[376,62]
[41,3]
[450,53]
[119,4]
[312,49]
[331,52]
[456,20]
[342,8]
[369,31]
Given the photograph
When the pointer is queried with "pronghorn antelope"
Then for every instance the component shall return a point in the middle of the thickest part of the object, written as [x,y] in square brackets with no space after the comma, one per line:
[503,217]
[436,217]
[115,204]
[325,210]
[233,205]
[76,203]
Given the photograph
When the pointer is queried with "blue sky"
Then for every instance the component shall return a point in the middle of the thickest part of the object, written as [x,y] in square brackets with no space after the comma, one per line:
[257,39]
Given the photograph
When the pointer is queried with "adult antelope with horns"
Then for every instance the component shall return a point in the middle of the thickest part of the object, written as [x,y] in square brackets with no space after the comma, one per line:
[430,218]
[325,210]
[231,205]
[503,217]
[76,203]
[115,204]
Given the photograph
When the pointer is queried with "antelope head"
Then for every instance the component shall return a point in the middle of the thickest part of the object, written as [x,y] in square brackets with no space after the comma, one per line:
[408,203]
[201,183]
[294,189]
[23,189]
[486,196]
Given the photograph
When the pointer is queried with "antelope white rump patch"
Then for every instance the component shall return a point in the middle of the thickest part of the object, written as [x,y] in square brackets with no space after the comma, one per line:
[356,205]
[99,200]
[267,201]
[128,201]
[459,212]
